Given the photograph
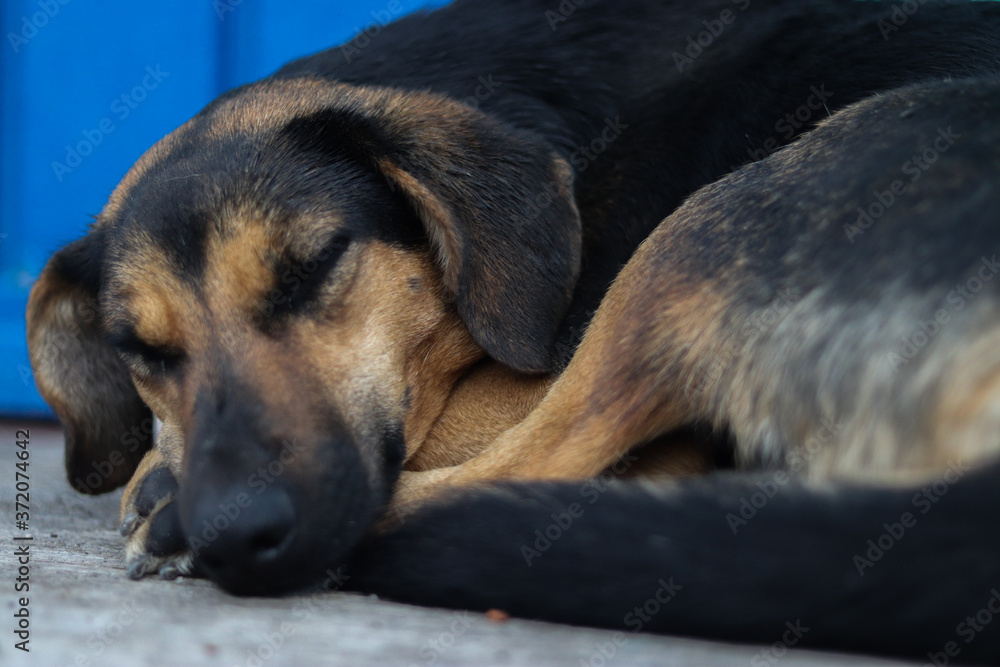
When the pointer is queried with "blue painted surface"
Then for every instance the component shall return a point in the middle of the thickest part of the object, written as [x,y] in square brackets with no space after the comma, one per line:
[86,87]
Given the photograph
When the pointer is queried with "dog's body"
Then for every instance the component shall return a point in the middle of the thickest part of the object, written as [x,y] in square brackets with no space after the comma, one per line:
[876,378]
[386,252]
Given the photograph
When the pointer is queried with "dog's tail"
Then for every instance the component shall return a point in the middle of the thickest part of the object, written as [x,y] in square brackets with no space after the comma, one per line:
[909,572]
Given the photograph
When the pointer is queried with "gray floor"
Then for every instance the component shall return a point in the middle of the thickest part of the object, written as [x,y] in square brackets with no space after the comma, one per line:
[84,611]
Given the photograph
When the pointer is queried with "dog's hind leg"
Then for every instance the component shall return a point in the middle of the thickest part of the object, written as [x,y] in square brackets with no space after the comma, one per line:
[645,367]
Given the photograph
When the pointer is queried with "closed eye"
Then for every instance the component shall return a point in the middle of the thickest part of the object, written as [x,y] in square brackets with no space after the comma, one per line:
[301,281]
[143,357]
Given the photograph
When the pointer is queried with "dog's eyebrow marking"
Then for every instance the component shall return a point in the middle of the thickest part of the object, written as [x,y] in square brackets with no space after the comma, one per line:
[298,282]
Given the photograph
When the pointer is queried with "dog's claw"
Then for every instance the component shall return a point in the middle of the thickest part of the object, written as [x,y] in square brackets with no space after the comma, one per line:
[169,572]
[138,568]
[129,525]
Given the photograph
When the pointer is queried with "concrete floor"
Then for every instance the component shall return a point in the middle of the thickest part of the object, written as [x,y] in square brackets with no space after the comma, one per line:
[84,611]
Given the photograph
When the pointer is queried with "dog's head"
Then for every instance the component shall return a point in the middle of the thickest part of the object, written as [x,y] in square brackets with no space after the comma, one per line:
[291,282]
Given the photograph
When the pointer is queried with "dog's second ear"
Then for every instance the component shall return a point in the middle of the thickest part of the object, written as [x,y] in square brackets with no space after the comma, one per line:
[496,202]
[108,427]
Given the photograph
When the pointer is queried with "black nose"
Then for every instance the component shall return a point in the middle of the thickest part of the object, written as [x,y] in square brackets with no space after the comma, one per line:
[242,536]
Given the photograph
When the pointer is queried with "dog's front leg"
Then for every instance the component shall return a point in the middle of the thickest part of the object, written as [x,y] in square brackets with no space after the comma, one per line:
[150,521]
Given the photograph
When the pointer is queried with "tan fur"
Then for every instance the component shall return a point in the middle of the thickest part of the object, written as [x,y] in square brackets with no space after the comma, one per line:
[483,404]
[57,314]
[676,454]
[616,394]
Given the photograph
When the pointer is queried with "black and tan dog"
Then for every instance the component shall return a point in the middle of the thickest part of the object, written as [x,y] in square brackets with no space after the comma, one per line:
[382,255]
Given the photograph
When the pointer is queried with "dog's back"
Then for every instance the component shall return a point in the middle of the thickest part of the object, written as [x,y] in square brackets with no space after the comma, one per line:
[649,100]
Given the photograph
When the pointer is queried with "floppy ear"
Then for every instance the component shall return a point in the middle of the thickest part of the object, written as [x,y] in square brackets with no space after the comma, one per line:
[496,202]
[108,427]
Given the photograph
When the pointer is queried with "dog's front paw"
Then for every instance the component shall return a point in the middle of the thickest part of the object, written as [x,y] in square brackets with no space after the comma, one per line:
[150,523]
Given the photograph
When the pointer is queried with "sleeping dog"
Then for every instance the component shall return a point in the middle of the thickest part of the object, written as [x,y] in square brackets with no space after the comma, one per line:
[381,257]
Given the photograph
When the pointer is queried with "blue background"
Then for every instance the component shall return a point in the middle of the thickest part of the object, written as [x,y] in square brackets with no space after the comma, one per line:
[64,66]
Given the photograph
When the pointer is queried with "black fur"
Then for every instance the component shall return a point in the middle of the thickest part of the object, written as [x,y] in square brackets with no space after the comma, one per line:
[80,263]
[234,446]
[166,535]
[794,562]
[157,486]
[613,60]
[301,296]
